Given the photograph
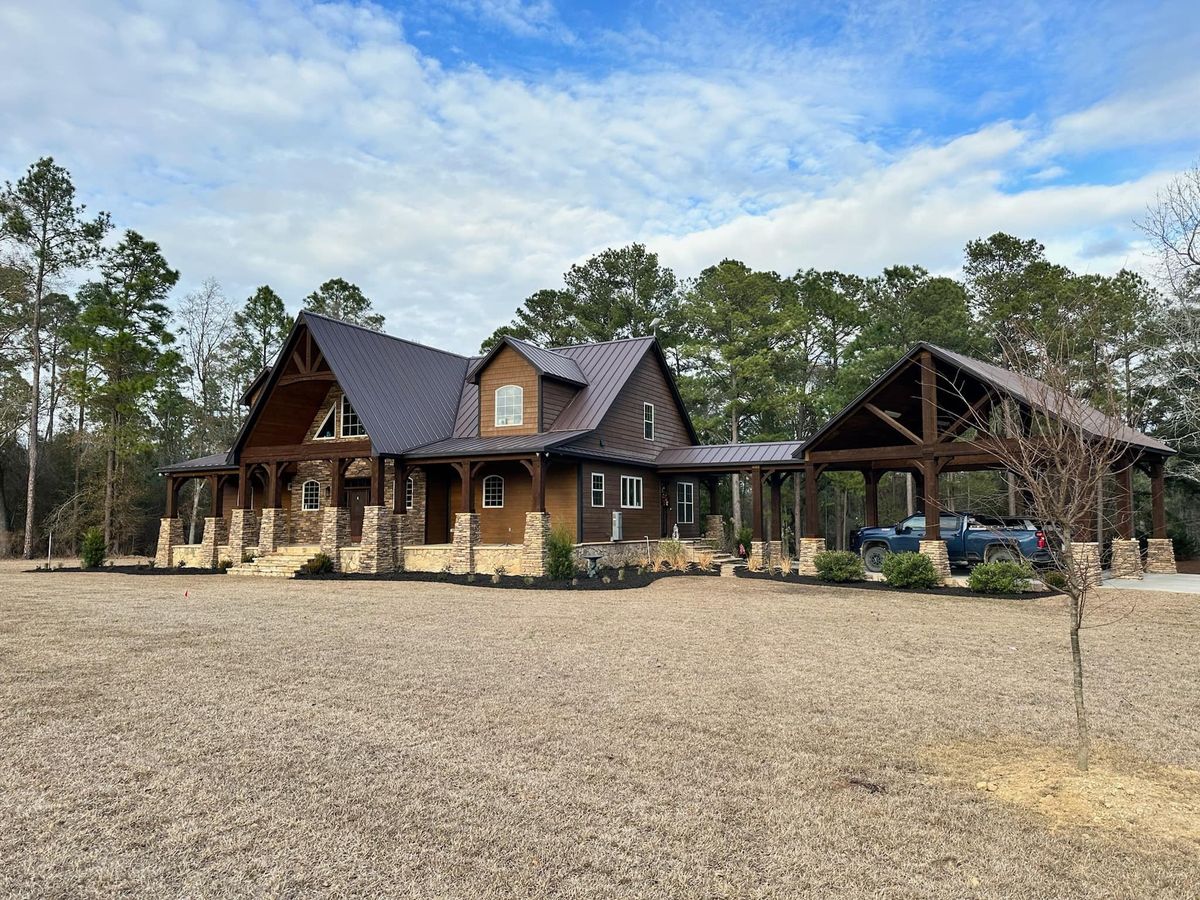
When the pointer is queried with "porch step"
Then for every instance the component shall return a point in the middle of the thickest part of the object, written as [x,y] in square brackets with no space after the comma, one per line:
[284,563]
[728,564]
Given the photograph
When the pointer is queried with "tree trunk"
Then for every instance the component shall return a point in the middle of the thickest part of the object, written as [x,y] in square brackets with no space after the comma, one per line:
[735,484]
[910,502]
[1083,751]
[35,402]
[110,471]
[195,511]
[1012,492]
[797,520]
[6,535]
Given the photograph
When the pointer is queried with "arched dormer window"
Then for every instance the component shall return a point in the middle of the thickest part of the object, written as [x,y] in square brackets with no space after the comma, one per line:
[510,405]
[493,492]
[310,495]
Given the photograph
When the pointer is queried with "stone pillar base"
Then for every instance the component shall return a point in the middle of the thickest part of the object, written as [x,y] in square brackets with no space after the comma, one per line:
[714,529]
[534,554]
[377,553]
[936,551]
[809,548]
[758,555]
[466,539]
[775,554]
[243,533]
[399,542]
[210,541]
[335,533]
[1085,562]
[170,535]
[272,531]
[1126,559]
[1160,557]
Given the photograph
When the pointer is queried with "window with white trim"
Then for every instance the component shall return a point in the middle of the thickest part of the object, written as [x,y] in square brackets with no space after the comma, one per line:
[631,492]
[648,421]
[510,405]
[685,503]
[493,492]
[326,431]
[597,489]
[409,490]
[310,495]
[352,426]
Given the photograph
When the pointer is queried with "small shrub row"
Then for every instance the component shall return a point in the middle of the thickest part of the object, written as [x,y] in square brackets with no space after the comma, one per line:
[910,570]
[839,566]
[1000,578]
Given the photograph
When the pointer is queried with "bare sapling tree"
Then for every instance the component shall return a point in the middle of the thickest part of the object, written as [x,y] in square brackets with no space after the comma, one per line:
[1062,450]
[1172,223]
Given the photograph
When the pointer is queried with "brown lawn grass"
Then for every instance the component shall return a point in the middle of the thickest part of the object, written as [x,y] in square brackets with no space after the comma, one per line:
[701,737]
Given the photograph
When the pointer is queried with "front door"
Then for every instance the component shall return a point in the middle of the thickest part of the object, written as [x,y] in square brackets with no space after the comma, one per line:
[356,501]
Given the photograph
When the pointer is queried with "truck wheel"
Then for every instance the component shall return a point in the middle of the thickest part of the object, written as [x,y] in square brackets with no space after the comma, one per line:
[1001,554]
[873,557]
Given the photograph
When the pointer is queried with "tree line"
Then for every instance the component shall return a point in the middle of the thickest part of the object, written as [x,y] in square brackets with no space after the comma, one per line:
[103,383]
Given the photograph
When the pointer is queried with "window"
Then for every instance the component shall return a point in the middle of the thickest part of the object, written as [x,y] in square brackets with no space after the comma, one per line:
[310,495]
[409,490]
[351,426]
[597,489]
[510,405]
[648,421]
[685,507]
[631,492]
[493,492]
[325,432]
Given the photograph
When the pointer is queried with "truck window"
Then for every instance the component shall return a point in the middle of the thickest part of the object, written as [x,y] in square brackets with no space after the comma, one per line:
[947,524]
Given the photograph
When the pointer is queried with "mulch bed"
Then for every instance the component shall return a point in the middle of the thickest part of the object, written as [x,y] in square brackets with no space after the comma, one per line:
[793,578]
[632,579]
[128,570]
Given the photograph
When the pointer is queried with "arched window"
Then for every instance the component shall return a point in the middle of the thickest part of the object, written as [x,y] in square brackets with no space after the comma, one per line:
[310,495]
[493,491]
[510,401]
[409,490]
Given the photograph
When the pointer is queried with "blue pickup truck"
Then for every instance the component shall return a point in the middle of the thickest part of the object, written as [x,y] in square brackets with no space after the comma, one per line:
[969,540]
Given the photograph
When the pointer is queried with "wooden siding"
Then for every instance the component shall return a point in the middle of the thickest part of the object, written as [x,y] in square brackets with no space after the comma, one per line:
[555,396]
[639,523]
[506,524]
[621,428]
[562,495]
[508,367]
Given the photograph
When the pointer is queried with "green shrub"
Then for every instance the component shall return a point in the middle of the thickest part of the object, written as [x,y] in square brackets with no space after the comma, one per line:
[743,538]
[560,564]
[1054,579]
[1184,544]
[910,570]
[92,552]
[839,565]
[1000,578]
[224,565]
[320,564]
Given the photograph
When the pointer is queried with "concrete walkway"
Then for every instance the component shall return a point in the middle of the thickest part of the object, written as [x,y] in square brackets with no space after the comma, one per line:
[1174,584]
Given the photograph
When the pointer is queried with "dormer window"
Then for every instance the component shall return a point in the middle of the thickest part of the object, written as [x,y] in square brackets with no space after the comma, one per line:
[648,421]
[510,403]
[351,425]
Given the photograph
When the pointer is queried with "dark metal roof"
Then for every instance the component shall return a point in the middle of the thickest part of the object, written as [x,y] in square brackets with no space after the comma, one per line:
[406,394]
[212,461]
[547,362]
[466,423]
[750,454]
[248,393]
[607,367]
[483,446]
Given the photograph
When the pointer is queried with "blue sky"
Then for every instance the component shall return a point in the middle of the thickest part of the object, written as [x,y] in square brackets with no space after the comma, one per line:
[451,157]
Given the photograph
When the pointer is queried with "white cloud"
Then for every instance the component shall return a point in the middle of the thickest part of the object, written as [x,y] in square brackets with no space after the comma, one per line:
[290,143]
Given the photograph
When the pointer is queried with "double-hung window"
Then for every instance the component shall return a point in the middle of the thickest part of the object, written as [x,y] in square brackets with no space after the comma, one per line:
[597,489]
[631,492]
[351,425]
[685,503]
[648,421]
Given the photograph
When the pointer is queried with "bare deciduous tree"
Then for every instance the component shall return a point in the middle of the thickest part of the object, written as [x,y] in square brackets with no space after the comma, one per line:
[1172,223]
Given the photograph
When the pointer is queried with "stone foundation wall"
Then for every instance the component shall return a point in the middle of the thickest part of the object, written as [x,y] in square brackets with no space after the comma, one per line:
[1126,559]
[936,551]
[714,530]
[196,556]
[427,558]
[809,548]
[509,557]
[1160,557]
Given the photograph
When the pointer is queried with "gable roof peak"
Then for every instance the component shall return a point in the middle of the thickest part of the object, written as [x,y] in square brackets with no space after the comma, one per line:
[309,314]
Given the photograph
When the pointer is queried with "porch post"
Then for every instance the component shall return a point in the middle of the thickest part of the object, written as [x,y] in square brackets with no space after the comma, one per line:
[714,525]
[757,538]
[1126,554]
[539,484]
[170,527]
[932,545]
[214,526]
[335,521]
[775,546]
[376,549]
[871,500]
[1160,551]
[466,524]
[536,540]
[813,541]
[272,531]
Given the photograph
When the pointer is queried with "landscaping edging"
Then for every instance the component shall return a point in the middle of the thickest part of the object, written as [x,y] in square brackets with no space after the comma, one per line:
[884,587]
[632,579]
[125,570]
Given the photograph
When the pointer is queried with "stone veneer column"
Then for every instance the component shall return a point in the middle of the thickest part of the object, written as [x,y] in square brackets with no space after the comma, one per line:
[534,554]
[466,538]
[758,555]
[399,542]
[775,554]
[272,531]
[377,552]
[1126,559]
[335,533]
[809,548]
[1085,558]
[714,529]
[242,534]
[936,551]
[170,535]
[1160,557]
[210,541]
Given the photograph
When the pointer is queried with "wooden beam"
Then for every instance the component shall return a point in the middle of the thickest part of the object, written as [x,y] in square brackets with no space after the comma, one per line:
[776,507]
[321,450]
[933,506]
[1158,507]
[972,413]
[337,482]
[756,503]
[929,430]
[871,499]
[243,494]
[400,473]
[1125,502]
[377,482]
[875,410]
[812,517]
[172,496]
[539,484]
